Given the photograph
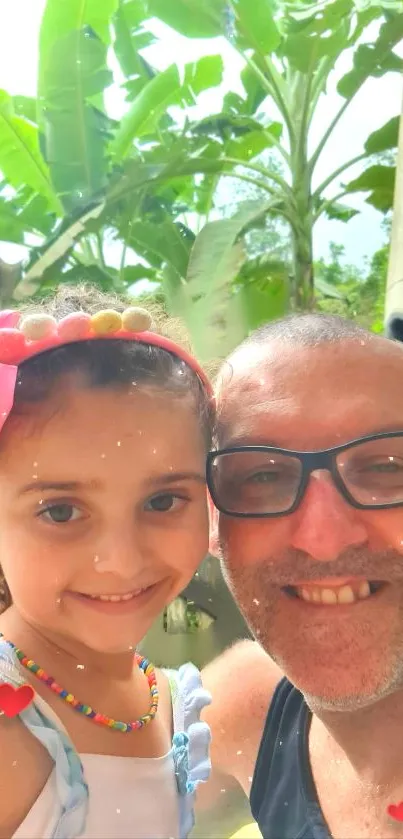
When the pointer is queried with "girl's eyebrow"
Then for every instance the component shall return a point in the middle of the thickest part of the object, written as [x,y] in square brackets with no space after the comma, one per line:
[74,486]
[63,486]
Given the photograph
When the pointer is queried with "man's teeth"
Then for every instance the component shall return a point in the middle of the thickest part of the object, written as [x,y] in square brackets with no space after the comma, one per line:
[334,596]
[116,598]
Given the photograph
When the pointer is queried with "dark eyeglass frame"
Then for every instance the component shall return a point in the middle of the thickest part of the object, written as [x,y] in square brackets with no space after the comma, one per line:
[310,462]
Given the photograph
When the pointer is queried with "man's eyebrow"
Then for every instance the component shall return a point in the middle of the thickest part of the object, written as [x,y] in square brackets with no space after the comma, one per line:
[74,486]
[245,439]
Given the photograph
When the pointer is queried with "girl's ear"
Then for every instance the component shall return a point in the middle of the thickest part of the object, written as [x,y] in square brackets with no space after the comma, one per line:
[214,516]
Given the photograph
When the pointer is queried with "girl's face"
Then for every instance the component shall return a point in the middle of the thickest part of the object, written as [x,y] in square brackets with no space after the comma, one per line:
[103,516]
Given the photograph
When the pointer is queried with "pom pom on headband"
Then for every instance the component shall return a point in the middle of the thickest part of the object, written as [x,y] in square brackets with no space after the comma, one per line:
[22,337]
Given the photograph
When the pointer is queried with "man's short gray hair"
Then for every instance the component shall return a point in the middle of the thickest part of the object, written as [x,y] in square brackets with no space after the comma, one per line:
[308,330]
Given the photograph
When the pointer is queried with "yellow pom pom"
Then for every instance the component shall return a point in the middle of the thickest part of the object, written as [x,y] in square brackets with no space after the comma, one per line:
[136,319]
[36,327]
[106,322]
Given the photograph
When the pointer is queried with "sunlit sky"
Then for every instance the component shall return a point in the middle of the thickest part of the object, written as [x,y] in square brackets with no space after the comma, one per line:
[374,105]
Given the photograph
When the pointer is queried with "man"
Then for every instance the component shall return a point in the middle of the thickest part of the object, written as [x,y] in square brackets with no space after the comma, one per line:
[308,482]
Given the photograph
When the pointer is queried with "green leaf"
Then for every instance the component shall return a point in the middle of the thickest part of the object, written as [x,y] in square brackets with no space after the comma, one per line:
[384,138]
[172,286]
[191,17]
[262,304]
[11,227]
[75,132]
[203,74]
[375,177]
[162,92]
[251,145]
[148,107]
[256,25]
[328,290]
[340,212]
[305,49]
[225,125]
[165,242]
[20,159]
[55,250]
[133,273]
[25,106]
[62,18]
[135,12]
[382,198]
[375,59]
[129,39]
[36,217]
[212,311]
[380,182]
[255,92]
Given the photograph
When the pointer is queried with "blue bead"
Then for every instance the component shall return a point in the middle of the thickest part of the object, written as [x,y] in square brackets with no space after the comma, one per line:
[63,693]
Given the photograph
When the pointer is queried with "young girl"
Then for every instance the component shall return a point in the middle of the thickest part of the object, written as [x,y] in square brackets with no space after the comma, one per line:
[103,521]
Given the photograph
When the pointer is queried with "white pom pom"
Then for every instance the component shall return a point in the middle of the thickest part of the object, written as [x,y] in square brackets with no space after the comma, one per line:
[36,327]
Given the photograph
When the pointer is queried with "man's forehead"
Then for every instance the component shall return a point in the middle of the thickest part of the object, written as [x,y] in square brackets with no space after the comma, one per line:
[285,383]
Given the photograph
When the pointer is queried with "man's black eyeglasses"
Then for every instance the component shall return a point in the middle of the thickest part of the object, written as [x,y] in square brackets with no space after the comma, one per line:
[265,481]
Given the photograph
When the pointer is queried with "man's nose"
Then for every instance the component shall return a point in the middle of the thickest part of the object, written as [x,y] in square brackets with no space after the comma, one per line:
[324,524]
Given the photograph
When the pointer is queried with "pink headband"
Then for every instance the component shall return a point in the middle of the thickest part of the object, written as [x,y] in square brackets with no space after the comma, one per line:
[23,337]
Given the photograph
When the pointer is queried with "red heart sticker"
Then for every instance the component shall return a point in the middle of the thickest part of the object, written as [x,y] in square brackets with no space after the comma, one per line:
[396,811]
[14,700]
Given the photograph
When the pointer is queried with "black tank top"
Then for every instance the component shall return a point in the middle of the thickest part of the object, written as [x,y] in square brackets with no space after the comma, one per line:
[283,796]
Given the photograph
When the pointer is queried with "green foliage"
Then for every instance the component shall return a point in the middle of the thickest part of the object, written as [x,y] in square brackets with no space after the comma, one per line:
[345,290]
[150,184]
[20,159]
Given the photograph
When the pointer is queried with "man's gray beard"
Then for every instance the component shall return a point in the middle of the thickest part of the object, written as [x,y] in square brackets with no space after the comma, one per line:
[258,583]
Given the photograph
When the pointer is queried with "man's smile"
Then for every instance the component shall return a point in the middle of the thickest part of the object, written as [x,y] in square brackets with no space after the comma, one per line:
[333,592]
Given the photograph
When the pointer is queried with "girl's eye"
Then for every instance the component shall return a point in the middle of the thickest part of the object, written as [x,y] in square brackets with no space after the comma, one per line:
[60,513]
[165,502]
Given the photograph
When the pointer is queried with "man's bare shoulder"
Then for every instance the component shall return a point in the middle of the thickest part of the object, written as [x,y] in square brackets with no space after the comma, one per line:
[242,682]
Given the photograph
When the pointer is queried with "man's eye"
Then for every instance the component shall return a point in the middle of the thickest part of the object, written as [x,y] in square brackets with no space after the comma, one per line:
[164,503]
[264,477]
[60,513]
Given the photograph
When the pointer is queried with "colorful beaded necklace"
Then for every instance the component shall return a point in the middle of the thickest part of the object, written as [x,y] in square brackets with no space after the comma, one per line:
[89,712]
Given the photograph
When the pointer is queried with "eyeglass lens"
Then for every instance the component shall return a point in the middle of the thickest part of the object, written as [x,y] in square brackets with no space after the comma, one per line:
[259,482]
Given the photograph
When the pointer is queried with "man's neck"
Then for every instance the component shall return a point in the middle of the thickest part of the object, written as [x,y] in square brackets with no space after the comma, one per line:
[370,739]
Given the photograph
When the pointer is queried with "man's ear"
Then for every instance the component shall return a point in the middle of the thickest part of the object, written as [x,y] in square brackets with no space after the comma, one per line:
[214,517]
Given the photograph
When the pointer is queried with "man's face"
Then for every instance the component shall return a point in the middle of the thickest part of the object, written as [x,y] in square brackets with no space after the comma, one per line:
[342,655]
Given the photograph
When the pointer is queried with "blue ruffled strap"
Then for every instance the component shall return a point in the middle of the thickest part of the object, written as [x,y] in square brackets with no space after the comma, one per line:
[191,740]
[71,787]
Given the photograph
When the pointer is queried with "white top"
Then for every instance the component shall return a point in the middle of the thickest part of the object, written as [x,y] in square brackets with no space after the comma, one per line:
[118,797]
[129,798]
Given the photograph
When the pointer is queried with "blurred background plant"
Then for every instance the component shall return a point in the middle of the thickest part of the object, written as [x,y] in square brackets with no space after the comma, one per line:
[215,215]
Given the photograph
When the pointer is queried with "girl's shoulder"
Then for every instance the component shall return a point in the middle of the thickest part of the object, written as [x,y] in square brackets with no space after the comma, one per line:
[25,764]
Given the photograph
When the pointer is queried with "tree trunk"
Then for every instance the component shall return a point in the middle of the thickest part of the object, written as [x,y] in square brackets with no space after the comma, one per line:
[302,294]
[394,288]
[302,287]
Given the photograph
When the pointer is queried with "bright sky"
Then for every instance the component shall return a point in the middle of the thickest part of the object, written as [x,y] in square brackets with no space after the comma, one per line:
[377,102]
